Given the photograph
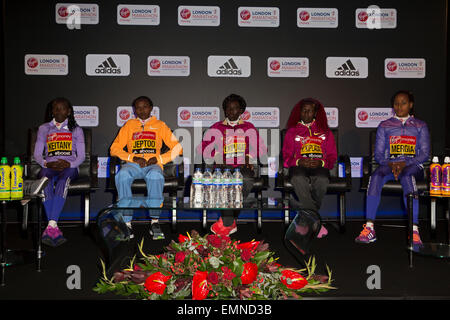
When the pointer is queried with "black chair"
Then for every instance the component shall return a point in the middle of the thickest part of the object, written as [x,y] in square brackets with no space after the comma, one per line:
[173,181]
[87,180]
[394,187]
[337,185]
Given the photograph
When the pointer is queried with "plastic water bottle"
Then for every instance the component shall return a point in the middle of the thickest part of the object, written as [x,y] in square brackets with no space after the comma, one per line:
[435,179]
[207,186]
[16,179]
[238,186]
[226,188]
[197,189]
[5,179]
[216,188]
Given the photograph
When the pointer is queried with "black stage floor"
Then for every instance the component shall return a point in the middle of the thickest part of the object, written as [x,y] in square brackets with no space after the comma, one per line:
[428,279]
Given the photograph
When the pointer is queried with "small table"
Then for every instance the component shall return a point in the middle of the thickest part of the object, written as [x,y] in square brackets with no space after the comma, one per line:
[437,250]
[11,257]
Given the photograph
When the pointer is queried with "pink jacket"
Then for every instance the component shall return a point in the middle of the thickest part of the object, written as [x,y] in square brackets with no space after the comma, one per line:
[303,142]
[234,143]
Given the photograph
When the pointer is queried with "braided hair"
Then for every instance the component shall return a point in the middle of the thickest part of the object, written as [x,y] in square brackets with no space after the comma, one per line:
[71,122]
[321,116]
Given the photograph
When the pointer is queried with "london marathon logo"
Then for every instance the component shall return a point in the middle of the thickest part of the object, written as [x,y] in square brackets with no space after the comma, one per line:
[245,15]
[185,14]
[363,115]
[304,16]
[155,64]
[275,65]
[125,13]
[185,114]
[391,66]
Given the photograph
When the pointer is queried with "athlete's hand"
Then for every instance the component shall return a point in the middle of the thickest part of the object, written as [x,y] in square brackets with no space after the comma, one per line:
[152,161]
[140,161]
[397,168]
[247,163]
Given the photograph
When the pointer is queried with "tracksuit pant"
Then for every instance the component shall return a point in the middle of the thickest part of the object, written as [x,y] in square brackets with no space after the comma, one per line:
[310,186]
[56,191]
[383,174]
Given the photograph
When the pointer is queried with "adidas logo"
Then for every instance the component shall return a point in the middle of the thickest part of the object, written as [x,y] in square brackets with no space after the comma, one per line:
[347,69]
[108,66]
[229,67]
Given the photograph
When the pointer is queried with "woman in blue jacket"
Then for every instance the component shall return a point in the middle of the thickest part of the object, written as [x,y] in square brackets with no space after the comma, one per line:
[402,146]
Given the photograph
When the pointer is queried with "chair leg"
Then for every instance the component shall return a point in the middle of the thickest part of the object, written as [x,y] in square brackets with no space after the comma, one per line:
[174,213]
[286,210]
[204,218]
[342,212]
[260,203]
[87,198]
[433,218]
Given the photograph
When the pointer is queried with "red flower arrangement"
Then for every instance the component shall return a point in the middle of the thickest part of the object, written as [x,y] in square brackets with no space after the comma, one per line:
[213,267]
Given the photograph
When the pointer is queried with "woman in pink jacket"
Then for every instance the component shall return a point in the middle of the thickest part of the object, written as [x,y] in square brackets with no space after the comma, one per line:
[309,151]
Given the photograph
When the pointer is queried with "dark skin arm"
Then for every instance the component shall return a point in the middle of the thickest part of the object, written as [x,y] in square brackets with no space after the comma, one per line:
[58,165]
[309,163]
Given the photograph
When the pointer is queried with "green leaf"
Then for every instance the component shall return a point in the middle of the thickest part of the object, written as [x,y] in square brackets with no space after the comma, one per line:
[261,256]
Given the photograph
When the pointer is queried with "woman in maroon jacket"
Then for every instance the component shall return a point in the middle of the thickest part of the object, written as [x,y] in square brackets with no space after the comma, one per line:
[309,151]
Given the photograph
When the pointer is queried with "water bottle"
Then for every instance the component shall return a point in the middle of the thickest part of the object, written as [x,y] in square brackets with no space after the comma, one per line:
[226,187]
[197,189]
[216,188]
[16,180]
[238,186]
[5,179]
[207,186]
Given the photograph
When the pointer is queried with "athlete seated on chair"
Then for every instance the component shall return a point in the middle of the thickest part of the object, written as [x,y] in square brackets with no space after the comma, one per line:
[143,138]
[402,145]
[309,151]
[62,141]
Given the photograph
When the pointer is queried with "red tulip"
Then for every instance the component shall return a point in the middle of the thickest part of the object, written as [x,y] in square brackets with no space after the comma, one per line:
[248,245]
[250,272]
[200,287]
[157,282]
[293,280]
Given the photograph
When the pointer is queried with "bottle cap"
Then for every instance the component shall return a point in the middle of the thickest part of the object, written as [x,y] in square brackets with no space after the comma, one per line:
[447,160]
[16,160]
[4,160]
[435,159]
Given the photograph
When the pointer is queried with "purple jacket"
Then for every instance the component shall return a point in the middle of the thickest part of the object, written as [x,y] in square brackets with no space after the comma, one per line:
[303,142]
[59,144]
[233,142]
[409,142]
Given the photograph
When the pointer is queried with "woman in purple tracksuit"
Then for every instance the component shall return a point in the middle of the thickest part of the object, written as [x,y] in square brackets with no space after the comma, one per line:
[402,146]
[59,150]
[233,143]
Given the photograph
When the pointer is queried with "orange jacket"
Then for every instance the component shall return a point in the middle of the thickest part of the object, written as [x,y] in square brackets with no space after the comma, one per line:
[146,142]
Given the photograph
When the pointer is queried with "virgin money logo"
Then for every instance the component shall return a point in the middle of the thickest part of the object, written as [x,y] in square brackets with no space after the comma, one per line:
[363,115]
[63,12]
[245,116]
[32,62]
[155,64]
[304,15]
[275,65]
[245,15]
[363,16]
[124,12]
[185,13]
[185,115]
[392,66]
[124,115]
